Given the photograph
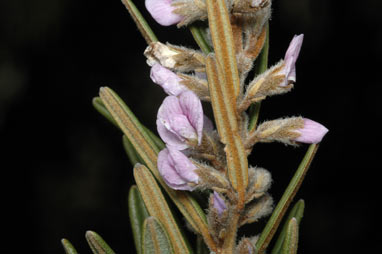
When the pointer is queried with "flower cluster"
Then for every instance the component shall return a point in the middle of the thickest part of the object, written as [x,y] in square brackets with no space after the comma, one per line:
[197,156]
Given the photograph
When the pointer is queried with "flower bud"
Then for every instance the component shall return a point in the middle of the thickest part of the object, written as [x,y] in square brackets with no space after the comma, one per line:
[176,169]
[290,59]
[168,80]
[162,12]
[219,204]
[180,120]
[312,132]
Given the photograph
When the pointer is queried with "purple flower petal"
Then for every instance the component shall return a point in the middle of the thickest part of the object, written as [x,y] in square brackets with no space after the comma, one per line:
[192,108]
[168,80]
[219,204]
[170,138]
[162,12]
[291,57]
[312,132]
[207,124]
[176,169]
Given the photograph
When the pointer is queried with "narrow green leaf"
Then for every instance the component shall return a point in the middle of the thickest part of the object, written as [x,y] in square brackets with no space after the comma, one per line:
[155,238]
[200,38]
[224,108]
[97,244]
[140,21]
[157,207]
[131,127]
[297,212]
[261,65]
[130,151]
[137,213]
[159,143]
[201,247]
[286,199]
[100,107]
[222,40]
[68,247]
[291,238]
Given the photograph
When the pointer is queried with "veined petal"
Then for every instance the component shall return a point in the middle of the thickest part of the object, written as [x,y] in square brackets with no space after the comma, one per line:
[181,125]
[167,170]
[168,80]
[312,132]
[192,108]
[184,167]
[291,57]
[162,12]
[170,138]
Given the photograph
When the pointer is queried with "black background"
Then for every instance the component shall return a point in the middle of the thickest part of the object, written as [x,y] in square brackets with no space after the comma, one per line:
[63,167]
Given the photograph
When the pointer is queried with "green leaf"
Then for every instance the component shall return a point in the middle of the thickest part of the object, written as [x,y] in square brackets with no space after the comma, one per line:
[100,107]
[200,38]
[137,213]
[291,238]
[68,247]
[296,212]
[140,21]
[97,244]
[261,65]
[157,206]
[130,151]
[286,199]
[154,238]
[201,247]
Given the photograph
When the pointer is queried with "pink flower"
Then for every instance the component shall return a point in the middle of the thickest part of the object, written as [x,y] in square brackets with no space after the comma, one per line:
[168,80]
[180,120]
[219,204]
[176,169]
[312,132]
[290,59]
[162,12]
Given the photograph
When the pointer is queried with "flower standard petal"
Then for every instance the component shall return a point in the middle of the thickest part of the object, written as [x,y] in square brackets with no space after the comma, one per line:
[290,59]
[162,12]
[167,170]
[312,132]
[168,80]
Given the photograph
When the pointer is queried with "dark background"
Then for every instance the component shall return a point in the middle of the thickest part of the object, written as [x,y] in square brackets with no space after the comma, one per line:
[63,167]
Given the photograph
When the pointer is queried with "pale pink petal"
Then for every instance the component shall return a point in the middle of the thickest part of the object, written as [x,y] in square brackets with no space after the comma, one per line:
[184,167]
[291,57]
[170,138]
[167,170]
[192,108]
[219,204]
[182,127]
[168,80]
[170,107]
[312,132]
[162,12]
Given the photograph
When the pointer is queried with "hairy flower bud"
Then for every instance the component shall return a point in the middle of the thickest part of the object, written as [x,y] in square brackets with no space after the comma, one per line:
[162,12]
[176,169]
[312,132]
[219,204]
[168,80]
[180,120]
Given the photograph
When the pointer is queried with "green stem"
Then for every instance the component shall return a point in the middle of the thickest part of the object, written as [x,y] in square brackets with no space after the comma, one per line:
[261,66]
[200,38]
[286,199]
